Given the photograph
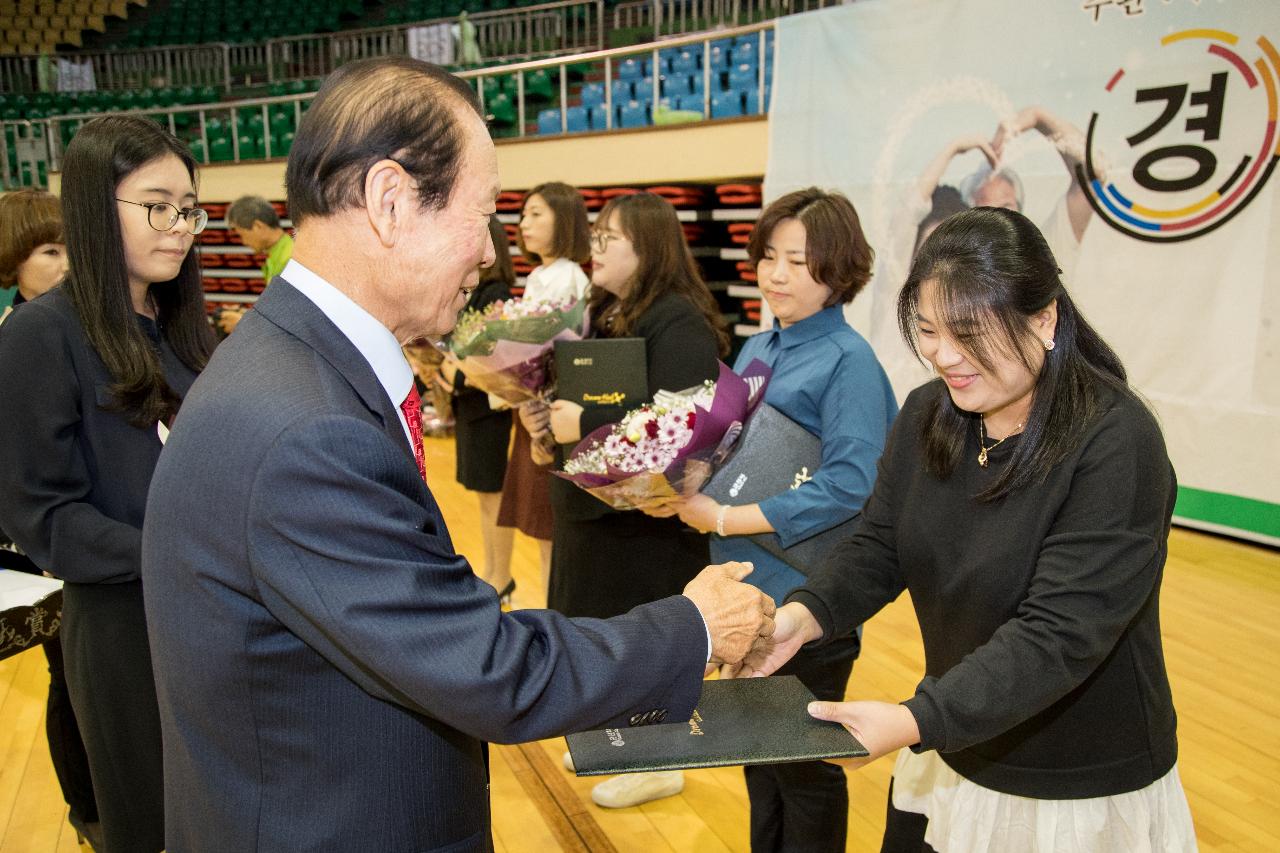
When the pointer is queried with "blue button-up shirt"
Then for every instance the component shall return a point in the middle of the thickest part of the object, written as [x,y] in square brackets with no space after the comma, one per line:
[827,379]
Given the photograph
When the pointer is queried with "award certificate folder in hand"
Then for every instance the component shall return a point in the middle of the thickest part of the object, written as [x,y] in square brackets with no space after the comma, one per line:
[30,610]
[602,372]
[773,454]
[738,721]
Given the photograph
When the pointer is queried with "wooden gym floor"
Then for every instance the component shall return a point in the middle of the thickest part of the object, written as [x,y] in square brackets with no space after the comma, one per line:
[1221,612]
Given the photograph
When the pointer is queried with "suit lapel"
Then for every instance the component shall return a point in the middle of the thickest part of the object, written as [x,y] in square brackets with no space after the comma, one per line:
[286,307]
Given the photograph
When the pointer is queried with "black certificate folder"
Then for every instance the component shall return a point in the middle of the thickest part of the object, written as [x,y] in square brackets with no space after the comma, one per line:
[738,722]
[602,372]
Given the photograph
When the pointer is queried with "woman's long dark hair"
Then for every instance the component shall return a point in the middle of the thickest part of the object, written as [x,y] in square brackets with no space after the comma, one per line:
[665,266]
[101,155]
[991,271]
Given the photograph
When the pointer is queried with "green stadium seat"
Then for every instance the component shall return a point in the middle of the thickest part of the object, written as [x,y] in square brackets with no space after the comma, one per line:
[538,86]
[492,86]
[282,122]
[220,150]
[251,146]
[281,143]
[502,110]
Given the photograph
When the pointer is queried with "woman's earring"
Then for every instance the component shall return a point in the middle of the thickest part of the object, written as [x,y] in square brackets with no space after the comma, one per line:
[1048,344]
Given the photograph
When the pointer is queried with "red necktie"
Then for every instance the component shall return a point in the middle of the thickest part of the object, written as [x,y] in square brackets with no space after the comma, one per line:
[412,408]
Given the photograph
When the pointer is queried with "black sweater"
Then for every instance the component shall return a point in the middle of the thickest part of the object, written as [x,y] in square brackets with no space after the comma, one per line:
[1045,675]
[75,472]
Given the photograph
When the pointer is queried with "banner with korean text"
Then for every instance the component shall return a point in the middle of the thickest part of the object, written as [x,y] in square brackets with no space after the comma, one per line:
[1140,136]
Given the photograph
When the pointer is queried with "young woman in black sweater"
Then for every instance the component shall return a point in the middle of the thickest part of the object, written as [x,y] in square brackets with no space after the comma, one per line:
[1024,500]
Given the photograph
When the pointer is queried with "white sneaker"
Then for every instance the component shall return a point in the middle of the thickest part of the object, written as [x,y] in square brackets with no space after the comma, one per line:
[632,789]
[568,762]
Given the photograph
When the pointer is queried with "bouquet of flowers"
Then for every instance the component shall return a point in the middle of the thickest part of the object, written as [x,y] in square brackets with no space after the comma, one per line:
[505,349]
[666,449]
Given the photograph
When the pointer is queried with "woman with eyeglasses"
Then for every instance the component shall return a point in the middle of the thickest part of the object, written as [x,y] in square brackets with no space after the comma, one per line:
[92,374]
[645,284]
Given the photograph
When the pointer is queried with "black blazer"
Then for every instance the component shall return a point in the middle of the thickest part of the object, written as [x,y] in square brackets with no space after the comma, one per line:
[75,472]
[327,666]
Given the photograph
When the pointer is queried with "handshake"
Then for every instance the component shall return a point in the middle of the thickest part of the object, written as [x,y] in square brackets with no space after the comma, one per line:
[739,617]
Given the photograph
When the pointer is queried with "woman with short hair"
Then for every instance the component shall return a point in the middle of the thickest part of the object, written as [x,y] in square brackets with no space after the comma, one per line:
[811,260]
[33,255]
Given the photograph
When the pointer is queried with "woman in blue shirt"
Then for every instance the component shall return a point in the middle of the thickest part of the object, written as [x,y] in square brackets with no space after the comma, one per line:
[811,258]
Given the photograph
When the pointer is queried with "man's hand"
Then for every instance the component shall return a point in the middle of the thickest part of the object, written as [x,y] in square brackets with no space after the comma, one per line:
[737,614]
[794,626]
[881,727]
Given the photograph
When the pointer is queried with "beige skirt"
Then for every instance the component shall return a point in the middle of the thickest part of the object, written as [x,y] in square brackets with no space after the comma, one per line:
[966,818]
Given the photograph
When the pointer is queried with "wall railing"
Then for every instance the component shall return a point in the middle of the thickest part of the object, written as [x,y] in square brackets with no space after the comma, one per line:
[185,65]
[39,142]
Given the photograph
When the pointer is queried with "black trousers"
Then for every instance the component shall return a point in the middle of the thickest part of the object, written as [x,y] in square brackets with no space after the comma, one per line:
[903,831]
[804,807]
[66,748]
[104,635]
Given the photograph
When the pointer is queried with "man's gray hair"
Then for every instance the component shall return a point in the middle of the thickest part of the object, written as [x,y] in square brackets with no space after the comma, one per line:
[248,209]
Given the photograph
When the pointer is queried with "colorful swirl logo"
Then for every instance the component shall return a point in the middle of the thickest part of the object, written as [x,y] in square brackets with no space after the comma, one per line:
[1206,152]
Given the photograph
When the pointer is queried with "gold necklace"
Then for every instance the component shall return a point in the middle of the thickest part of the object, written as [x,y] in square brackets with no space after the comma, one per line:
[982,440]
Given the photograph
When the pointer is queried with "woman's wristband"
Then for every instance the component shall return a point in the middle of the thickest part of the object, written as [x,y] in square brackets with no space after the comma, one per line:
[720,520]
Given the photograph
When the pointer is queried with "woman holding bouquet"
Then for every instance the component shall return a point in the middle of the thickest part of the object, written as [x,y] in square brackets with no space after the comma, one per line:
[811,258]
[553,235]
[605,562]
[1024,501]
[92,375]
[483,434]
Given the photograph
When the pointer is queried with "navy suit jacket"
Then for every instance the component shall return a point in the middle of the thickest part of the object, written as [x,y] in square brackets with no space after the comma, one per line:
[328,669]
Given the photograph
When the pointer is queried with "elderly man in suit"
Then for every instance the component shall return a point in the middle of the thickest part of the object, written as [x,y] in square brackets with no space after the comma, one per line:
[328,668]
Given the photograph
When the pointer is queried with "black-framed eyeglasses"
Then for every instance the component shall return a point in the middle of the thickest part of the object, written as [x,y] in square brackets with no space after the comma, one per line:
[600,240]
[162,216]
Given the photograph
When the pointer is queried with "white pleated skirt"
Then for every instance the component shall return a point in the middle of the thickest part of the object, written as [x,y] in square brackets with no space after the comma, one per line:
[966,818]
